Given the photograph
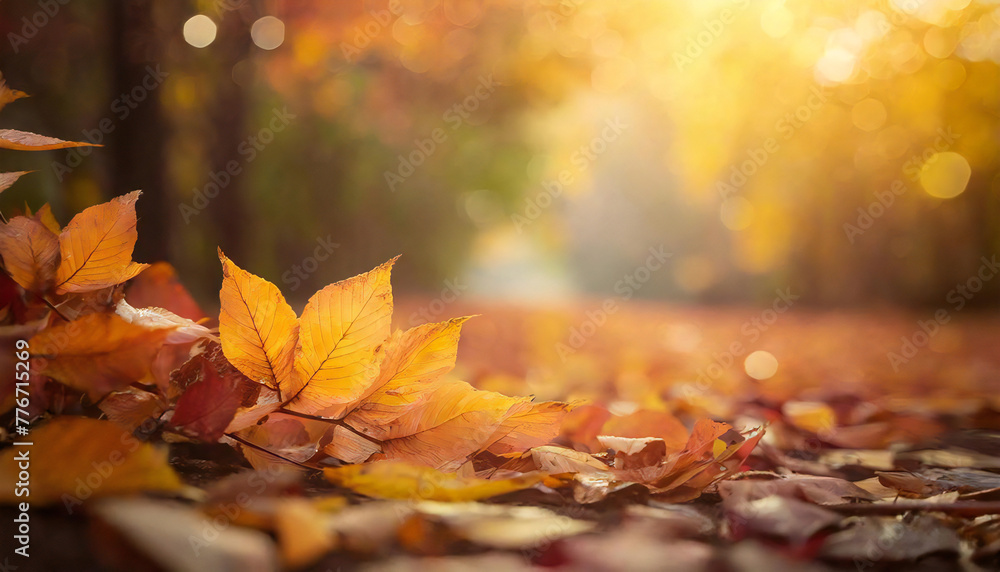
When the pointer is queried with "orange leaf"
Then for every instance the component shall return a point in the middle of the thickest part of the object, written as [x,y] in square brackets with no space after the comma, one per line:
[340,333]
[648,423]
[530,428]
[8,179]
[8,95]
[454,422]
[97,247]
[413,359]
[27,141]
[97,353]
[257,327]
[30,253]
[159,286]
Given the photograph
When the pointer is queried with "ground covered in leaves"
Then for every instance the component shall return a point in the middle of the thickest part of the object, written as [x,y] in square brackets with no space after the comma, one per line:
[861,466]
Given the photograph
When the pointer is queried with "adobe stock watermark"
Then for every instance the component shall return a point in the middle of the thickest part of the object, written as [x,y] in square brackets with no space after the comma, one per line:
[454,117]
[430,312]
[626,288]
[248,149]
[884,199]
[957,298]
[87,485]
[31,25]
[786,127]
[363,35]
[713,29]
[563,10]
[581,160]
[120,108]
[750,331]
[295,275]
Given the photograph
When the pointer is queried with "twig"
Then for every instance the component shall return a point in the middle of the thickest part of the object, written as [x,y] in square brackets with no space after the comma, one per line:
[243,441]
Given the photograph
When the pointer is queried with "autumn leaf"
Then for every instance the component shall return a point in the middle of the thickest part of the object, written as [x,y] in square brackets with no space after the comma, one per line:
[340,332]
[454,422]
[257,327]
[403,481]
[7,94]
[97,245]
[8,179]
[96,353]
[30,253]
[27,141]
[530,428]
[209,402]
[413,359]
[158,286]
[76,458]
[44,215]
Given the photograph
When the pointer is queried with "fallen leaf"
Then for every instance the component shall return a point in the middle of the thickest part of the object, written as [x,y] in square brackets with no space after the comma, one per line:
[97,353]
[536,426]
[340,332]
[413,359]
[27,141]
[96,247]
[208,403]
[158,286]
[9,178]
[403,481]
[30,253]
[177,537]
[454,422]
[258,328]
[74,459]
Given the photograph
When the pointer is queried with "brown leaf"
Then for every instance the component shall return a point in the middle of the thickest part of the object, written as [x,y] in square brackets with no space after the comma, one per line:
[27,141]
[9,178]
[30,253]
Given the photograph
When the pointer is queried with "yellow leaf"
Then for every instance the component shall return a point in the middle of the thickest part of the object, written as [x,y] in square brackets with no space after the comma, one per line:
[403,481]
[413,359]
[257,327]
[97,247]
[340,333]
[76,458]
[96,353]
[27,141]
[811,416]
[30,253]
[45,216]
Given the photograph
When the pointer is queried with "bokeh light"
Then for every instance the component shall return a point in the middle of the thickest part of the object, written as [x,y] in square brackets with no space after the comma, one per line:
[945,175]
[268,33]
[760,365]
[199,31]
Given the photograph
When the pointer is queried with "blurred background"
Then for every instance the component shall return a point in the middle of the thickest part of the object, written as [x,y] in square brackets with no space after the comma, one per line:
[532,150]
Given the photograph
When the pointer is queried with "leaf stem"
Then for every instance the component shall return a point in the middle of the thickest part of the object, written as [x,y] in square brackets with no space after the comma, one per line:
[338,422]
